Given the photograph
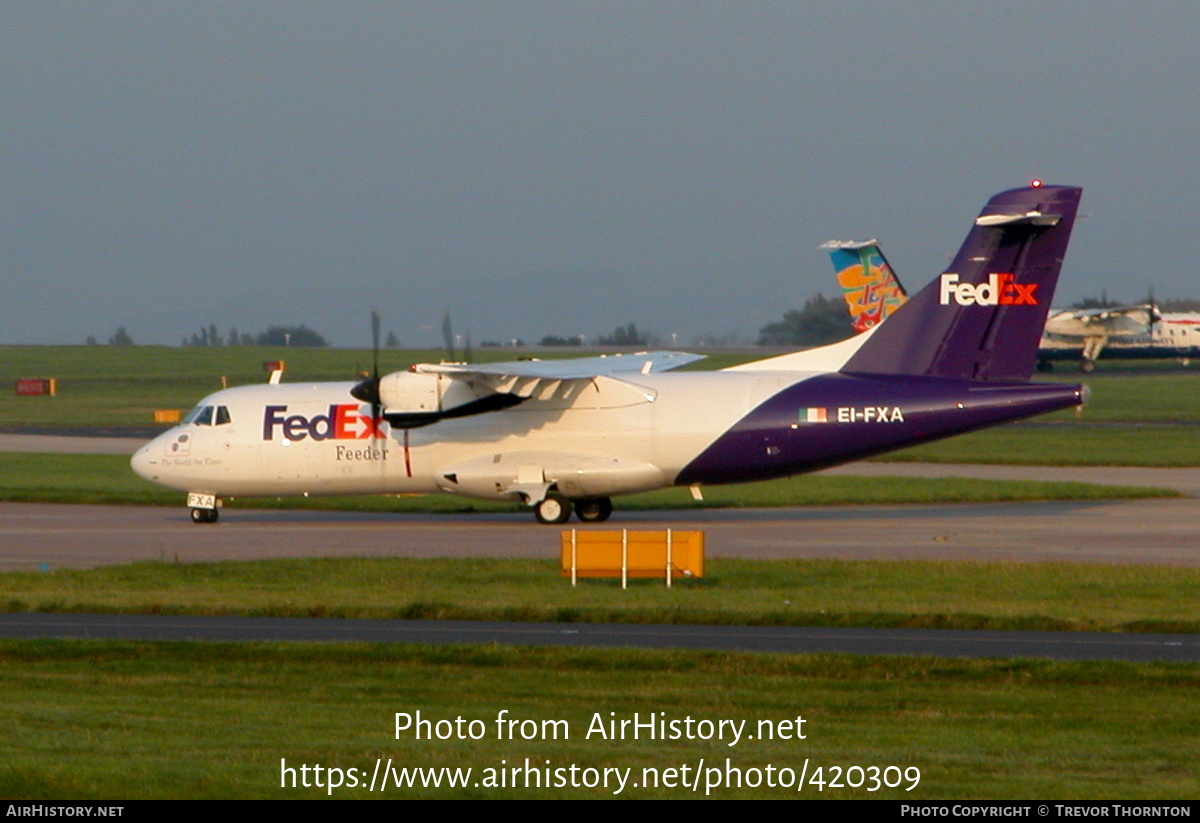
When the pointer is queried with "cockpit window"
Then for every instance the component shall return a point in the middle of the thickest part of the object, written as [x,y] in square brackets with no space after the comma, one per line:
[208,416]
[195,414]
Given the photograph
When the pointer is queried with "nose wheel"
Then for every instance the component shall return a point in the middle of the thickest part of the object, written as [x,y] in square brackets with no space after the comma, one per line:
[204,515]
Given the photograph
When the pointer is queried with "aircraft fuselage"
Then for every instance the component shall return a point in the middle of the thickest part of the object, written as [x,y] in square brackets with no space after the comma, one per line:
[611,438]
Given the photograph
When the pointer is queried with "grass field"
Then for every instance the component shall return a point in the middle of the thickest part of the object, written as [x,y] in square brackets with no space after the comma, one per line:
[93,720]
[901,594]
[1065,445]
[120,386]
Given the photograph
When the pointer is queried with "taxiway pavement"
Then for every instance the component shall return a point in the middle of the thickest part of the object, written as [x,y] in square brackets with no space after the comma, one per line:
[1154,531]
[791,639]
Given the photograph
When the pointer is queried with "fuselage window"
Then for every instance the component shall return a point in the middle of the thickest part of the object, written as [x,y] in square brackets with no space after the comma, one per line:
[222,415]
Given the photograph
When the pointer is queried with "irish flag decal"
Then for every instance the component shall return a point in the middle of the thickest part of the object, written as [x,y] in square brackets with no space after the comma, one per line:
[813,416]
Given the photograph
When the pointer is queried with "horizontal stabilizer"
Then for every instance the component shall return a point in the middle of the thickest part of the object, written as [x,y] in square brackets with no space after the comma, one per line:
[1033,218]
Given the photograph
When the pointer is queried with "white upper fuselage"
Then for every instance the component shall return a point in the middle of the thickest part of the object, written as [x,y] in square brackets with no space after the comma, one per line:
[611,437]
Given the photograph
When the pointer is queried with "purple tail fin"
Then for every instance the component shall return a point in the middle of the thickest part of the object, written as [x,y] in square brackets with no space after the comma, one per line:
[982,319]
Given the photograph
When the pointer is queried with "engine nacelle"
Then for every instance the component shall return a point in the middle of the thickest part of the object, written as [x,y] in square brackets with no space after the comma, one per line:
[406,392]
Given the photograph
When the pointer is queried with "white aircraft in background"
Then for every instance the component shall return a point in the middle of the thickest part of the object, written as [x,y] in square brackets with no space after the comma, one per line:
[1121,331]
[568,435]
[872,292]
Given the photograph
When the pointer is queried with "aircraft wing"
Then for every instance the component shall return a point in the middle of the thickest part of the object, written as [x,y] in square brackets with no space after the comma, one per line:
[582,368]
[1114,322]
[429,392]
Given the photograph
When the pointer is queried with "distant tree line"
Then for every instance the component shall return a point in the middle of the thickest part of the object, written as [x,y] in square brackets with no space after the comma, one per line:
[627,335]
[301,336]
[1180,304]
[1104,302]
[821,321]
[1101,302]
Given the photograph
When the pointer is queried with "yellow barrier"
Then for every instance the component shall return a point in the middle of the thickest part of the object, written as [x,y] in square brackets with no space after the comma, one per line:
[624,554]
[166,415]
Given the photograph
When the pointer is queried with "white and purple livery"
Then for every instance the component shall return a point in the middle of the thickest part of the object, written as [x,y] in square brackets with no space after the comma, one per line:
[569,435]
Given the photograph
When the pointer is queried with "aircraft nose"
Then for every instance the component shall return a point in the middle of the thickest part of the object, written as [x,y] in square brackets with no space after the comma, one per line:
[143,463]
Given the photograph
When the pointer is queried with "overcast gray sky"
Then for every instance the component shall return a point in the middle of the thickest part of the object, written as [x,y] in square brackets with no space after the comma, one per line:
[564,167]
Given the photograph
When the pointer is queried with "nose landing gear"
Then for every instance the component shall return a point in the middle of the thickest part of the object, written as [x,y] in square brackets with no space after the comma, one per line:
[203,506]
[204,515]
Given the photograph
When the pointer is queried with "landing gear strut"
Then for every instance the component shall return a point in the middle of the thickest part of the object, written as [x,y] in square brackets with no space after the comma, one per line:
[554,508]
[595,510]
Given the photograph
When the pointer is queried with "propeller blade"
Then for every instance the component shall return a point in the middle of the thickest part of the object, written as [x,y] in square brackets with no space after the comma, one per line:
[448,337]
[374,391]
[375,342]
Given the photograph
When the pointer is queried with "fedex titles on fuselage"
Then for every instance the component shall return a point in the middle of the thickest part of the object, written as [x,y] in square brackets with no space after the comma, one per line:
[999,290]
[344,421]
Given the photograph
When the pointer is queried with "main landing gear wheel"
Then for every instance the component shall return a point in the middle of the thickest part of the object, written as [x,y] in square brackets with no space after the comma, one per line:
[595,510]
[553,509]
[204,515]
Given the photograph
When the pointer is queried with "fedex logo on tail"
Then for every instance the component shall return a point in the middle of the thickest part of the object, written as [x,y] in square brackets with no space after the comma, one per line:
[343,422]
[999,290]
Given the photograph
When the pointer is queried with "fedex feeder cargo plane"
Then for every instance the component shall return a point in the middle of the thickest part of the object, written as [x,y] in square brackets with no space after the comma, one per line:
[569,435]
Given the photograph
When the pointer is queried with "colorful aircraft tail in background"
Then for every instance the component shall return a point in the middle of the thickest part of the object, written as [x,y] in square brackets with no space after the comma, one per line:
[870,287]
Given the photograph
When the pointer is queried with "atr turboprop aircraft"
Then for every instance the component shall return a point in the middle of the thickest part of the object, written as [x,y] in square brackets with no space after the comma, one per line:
[569,435]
